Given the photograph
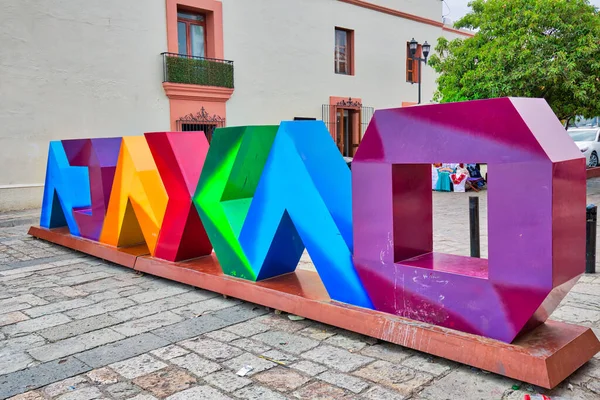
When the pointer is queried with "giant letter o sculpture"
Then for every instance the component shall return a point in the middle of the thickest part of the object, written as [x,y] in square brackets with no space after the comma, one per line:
[536,213]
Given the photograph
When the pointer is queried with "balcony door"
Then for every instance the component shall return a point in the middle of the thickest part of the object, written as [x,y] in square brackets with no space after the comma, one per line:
[191,33]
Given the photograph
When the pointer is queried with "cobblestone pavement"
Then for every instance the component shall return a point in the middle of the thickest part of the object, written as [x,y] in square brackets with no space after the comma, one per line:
[74,327]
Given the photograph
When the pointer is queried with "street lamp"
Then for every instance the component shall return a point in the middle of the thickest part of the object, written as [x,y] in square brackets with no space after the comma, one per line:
[413,45]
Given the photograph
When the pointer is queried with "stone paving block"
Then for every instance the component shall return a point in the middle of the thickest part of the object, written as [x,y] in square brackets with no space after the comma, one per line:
[122,390]
[99,308]
[388,352]
[24,298]
[586,288]
[240,313]
[137,366]
[196,365]
[154,307]
[281,378]
[257,392]
[576,315]
[205,306]
[318,331]
[75,344]
[100,285]
[87,393]
[278,357]
[221,335]
[350,341]
[582,300]
[169,352]
[103,376]
[32,395]
[12,318]
[211,349]
[21,343]
[28,266]
[137,326]
[227,381]
[50,295]
[190,328]
[403,380]
[122,350]
[468,384]
[14,361]
[199,393]
[258,364]
[380,393]
[153,295]
[36,324]
[101,296]
[67,260]
[52,308]
[64,386]
[78,327]
[337,358]
[322,390]
[84,278]
[308,367]
[128,290]
[282,323]
[294,344]
[40,375]
[5,279]
[250,345]
[11,307]
[432,365]
[165,382]
[143,397]
[248,328]
[344,381]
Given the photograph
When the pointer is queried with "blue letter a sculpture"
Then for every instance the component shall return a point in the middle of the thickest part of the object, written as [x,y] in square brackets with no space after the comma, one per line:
[66,188]
[305,188]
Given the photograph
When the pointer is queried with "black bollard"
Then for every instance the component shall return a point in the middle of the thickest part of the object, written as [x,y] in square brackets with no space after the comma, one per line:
[591,213]
[474,225]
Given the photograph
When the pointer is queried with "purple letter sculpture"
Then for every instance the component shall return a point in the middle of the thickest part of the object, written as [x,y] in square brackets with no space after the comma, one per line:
[100,156]
[536,214]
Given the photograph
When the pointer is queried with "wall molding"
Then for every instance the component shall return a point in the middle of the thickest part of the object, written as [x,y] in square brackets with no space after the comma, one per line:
[181,91]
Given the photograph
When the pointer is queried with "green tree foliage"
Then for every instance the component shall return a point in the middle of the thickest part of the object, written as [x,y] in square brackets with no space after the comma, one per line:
[525,48]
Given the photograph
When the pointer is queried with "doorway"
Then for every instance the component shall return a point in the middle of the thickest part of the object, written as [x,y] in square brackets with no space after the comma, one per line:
[347,135]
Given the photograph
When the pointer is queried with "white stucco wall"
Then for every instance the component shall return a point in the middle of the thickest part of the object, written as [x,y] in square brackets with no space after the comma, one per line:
[71,69]
[284,54]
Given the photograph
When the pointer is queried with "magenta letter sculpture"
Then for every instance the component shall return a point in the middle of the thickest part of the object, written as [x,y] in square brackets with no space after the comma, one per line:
[536,214]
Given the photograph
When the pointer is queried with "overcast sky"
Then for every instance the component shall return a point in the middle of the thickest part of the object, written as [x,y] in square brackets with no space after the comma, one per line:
[454,9]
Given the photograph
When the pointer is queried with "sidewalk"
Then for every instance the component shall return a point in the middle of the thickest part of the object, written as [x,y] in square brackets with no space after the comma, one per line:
[75,327]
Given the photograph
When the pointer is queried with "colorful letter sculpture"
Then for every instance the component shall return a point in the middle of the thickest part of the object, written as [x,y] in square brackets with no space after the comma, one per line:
[65,189]
[261,195]
[100,157]
[179,157]
[138,200]
[536,231]
[266,193]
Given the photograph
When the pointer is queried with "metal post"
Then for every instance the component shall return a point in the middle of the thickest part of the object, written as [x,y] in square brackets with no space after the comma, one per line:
[419,61]
[591,212]
[474,225]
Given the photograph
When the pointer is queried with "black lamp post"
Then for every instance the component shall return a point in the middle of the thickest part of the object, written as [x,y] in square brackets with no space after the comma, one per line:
[413,46]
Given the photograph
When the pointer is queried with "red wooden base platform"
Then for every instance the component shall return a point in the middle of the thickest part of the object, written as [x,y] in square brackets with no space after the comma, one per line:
[543,357]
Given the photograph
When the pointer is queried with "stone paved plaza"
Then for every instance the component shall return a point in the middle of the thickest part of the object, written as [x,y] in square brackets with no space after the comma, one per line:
[74,327]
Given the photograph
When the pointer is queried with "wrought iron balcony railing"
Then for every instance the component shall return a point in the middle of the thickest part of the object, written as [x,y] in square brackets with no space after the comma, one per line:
[181,68]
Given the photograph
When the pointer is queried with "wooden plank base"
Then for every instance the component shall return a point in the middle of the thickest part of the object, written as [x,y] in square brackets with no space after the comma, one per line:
[543,357]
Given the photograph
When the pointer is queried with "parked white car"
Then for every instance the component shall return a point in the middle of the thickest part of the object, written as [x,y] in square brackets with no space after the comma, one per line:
[588,141]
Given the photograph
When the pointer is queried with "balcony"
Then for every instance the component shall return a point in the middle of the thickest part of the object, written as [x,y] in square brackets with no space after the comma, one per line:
[181,68]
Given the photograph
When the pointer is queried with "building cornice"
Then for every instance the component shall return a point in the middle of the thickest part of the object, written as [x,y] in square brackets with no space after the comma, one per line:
[401,14]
